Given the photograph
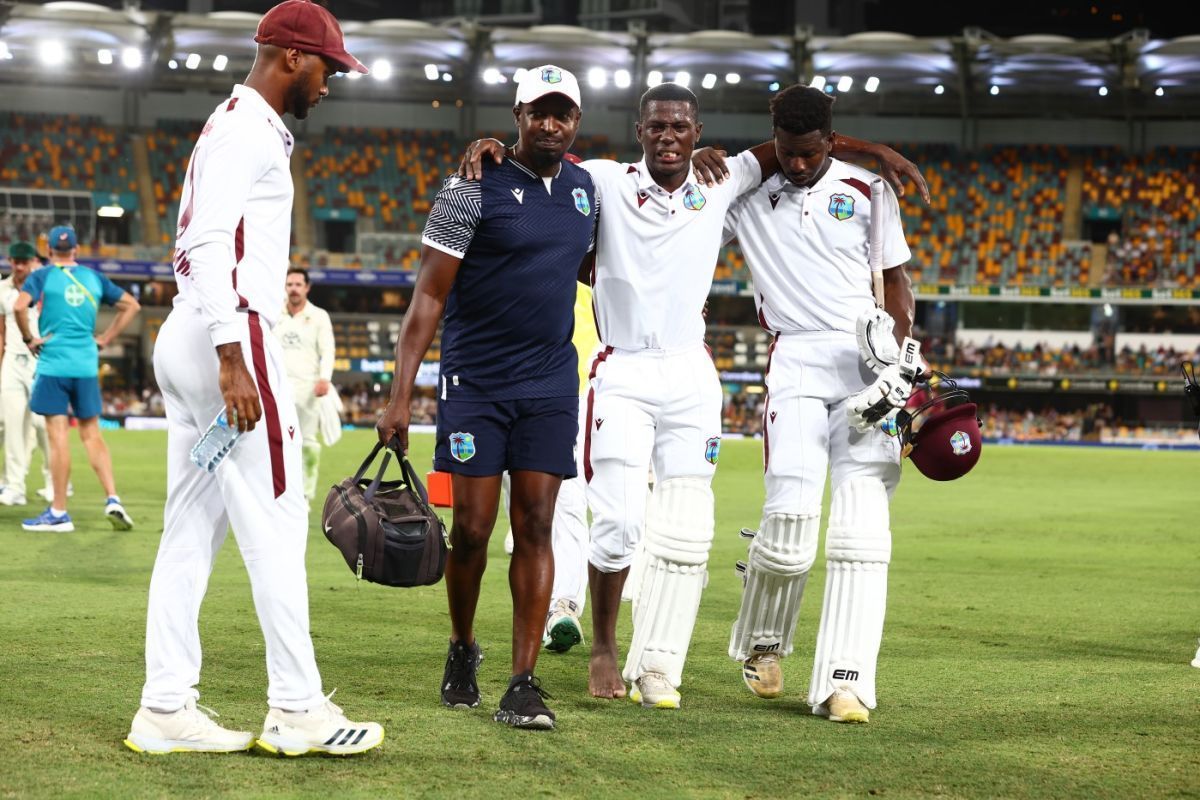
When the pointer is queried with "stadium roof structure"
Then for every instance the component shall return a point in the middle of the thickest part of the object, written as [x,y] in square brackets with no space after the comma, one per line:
[973,74]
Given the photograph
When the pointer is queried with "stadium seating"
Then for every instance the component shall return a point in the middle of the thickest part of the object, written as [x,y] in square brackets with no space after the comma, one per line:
[170,146]
[1155,197]
[64,151]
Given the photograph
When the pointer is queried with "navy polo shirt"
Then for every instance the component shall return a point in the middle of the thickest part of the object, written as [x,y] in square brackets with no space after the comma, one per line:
[510,315]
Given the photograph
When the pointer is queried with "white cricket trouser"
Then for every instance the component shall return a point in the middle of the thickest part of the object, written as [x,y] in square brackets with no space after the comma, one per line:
[256,489]
[570,528]
[21,425]
[307,414]
[644,405]
[805,431]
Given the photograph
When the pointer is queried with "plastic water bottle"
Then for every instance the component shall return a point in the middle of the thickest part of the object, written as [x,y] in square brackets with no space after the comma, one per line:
[215,444]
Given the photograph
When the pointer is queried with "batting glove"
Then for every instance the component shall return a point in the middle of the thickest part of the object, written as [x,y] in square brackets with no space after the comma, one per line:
[876,340]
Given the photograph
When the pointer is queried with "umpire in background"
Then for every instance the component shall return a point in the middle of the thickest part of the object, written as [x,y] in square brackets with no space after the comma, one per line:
[499,259]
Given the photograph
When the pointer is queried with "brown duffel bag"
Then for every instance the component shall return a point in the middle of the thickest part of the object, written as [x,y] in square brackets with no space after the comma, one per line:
[386,530]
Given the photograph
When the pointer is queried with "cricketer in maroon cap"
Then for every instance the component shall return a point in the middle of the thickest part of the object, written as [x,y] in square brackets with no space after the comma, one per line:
[300,46]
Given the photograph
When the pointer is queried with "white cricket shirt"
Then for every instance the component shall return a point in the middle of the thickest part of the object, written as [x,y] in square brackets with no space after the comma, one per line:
[807,248]
[656,252]
[14,344]
[235,217]
[308,349]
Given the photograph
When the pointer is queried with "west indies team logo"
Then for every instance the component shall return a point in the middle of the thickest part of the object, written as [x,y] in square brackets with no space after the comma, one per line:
[551,75]
[581,201]
[712,449]
[693,200]
[960,443]
[841,206]
[462,446]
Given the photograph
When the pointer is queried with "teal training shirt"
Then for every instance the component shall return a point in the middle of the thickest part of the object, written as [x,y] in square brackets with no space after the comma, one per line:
[68,318]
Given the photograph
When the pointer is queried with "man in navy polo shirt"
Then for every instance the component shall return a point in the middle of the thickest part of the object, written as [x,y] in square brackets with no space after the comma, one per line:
[500,258]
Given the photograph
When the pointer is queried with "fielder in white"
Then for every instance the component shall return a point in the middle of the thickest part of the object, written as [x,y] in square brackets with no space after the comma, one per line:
[805,234]
[308,351]
[213,353]
[21,425]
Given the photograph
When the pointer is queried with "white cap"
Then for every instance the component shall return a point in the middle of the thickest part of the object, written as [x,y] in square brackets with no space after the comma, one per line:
[547,79]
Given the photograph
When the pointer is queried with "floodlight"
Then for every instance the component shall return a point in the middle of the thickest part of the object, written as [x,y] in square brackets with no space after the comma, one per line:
[131,58]
[995,90]
[683,78]
[871,85]
[52,53]
[491,75]
[1159,92]
[447,77]
[732,78]
[773,86]
[381,70]
[710,80]
[654,78]
[519,75]
[193,61]
[817,82]
[431,72]
[597,77]
[111,212]
[220,62]
[5,53]
[621,79]
[844,83]
[939,89]
[104,56]
[1103,91]
[172,64]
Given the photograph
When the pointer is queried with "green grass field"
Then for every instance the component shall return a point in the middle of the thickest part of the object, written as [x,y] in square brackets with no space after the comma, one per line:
[1041,619]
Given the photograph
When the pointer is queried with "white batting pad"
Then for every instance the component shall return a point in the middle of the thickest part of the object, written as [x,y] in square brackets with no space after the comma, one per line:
[777,568]
[679,534]
[858,547]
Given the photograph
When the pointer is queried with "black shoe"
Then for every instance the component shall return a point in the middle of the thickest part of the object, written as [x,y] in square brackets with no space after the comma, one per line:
[459,686]
[522,706]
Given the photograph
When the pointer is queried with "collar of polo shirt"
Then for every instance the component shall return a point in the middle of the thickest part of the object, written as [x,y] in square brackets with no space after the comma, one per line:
[779,182]
[646,180]
[242,93]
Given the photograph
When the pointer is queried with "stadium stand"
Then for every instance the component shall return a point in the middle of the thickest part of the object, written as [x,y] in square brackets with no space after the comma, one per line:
[1155,198]
[169,145]
[63,151]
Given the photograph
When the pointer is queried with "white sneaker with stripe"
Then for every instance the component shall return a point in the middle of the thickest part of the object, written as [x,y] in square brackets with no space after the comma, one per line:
[323,729]
[190,729]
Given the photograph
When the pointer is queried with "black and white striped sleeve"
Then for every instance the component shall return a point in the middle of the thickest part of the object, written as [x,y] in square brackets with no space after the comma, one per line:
[454,217]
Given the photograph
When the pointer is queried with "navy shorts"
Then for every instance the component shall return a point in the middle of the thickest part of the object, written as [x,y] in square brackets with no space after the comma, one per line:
[481,438]
[51,396]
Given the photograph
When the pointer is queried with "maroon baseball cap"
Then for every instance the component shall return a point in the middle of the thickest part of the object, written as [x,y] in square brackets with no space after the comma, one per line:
[948,443]
[304,25]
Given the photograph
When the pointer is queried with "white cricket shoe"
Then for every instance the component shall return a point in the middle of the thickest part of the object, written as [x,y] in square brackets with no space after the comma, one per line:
[763,674]
[190,729]
[563,630]
[11,497]
[653,690]
[323,729]
[843,706]
[1196,660]
[509,544]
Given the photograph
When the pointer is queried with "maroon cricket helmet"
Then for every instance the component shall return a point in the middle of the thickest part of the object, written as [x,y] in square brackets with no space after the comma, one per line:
[941,436]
